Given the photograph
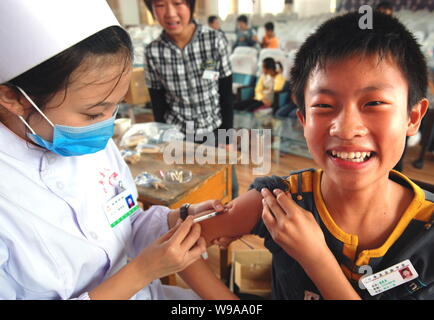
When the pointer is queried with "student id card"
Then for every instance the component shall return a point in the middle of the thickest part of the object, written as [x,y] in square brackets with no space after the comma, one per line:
[390,278]
[120,207]
[211,75]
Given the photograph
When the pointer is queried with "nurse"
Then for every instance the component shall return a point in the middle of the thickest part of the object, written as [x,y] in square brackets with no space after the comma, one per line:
[66,229]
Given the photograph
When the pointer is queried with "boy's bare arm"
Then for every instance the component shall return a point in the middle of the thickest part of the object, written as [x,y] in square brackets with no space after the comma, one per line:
[242,214]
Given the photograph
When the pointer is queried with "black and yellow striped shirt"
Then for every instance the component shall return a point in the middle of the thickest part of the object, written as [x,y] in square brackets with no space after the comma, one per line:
[412,238]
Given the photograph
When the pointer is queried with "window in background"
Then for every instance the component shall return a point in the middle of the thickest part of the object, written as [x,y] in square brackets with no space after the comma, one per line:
[245,6]
[333,6]
[224,8]
[272,6]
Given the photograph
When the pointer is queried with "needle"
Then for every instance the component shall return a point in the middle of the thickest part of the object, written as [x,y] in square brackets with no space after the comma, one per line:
[207,216]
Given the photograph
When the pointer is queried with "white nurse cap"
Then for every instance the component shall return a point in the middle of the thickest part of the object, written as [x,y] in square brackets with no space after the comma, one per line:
[33,31]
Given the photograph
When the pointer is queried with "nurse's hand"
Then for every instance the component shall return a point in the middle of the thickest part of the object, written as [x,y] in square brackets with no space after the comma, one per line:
[173,252]
[293,228]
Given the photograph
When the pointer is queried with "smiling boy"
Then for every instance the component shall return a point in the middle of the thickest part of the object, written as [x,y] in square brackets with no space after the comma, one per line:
[359,94]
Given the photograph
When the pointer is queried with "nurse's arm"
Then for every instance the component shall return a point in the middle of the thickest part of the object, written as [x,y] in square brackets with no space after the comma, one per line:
[205,283]
[242,215]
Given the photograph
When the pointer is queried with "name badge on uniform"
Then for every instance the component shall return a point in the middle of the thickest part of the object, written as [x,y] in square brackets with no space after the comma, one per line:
[390,278]
[120,207]
[211,75]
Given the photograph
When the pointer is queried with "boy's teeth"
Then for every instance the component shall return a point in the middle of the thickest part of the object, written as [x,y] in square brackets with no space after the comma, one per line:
[351,156]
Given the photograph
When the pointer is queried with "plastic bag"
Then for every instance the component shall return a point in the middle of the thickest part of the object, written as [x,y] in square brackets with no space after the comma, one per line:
[130,156]
[147,180]
[150,133]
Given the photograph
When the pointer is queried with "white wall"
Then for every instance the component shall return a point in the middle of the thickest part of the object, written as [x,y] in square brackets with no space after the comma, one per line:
[305,8]
[211,7]
[271,6]
[129,10]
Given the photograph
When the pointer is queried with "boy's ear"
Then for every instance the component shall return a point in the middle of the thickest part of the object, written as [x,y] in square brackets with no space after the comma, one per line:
[10,100]
[301,117]
[416,115]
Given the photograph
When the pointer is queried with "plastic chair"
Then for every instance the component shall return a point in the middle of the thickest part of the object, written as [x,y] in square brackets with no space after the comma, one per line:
[244,68]
[246,50]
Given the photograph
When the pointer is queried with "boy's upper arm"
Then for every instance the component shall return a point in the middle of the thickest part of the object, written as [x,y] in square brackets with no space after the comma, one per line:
[241,218]
[244,214]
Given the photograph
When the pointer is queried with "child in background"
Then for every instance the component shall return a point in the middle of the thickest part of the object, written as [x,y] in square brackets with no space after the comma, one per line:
[269,82]
[246,37]
[269,41]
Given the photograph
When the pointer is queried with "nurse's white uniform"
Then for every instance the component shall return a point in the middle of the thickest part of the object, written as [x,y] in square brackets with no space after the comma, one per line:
[55,239]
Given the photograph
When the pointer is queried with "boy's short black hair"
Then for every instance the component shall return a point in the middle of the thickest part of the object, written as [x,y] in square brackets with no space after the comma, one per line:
[341,37]
[269,26]
[211,19]
[243,18]
[190,3]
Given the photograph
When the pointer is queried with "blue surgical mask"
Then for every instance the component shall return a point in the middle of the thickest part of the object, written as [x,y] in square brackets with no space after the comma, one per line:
[73,141]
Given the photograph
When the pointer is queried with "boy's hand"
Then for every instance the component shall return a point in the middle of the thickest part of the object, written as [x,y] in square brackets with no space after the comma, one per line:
[293,228]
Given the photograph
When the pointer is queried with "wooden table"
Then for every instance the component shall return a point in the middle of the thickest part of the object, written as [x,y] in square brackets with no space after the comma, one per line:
[209,181]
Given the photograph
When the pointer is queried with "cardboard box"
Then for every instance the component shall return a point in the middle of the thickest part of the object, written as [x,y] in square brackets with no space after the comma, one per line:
[251,272]
[138,92]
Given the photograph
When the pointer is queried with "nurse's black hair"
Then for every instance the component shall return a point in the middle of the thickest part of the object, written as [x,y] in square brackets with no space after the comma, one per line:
[42,82]
[342,37]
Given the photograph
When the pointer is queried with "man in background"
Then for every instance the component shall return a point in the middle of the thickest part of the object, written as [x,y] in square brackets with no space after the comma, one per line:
[214,23]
